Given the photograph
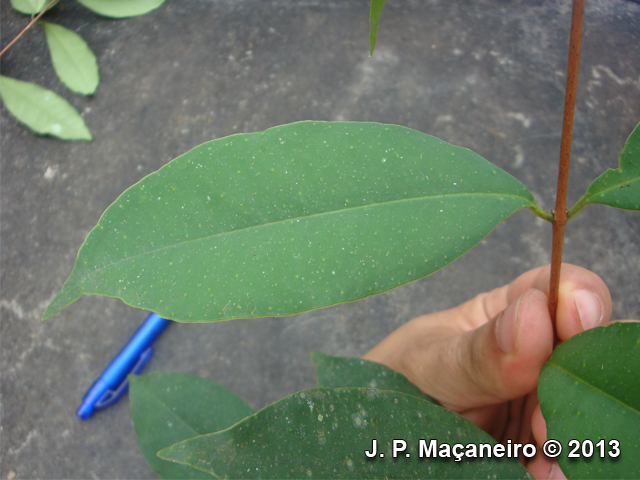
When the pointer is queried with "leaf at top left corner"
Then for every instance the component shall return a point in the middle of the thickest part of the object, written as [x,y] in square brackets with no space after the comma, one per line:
[29,7]
[121,8]
[42,110]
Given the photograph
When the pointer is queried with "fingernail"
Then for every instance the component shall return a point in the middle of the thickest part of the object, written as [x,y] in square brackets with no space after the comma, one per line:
[555,473]
[506,327]
[589,308]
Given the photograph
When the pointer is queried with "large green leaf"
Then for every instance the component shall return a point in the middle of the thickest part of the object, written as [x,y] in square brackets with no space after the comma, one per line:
[168,407]
[323,433]
[294,218]
[374,19]
[29,7]
[335,372]
[620,187]
[121,8]
[74,62]
[42,110]
[590,390]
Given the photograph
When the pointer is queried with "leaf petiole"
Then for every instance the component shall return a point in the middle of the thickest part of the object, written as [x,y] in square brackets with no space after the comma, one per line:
[579,205]
[542,213]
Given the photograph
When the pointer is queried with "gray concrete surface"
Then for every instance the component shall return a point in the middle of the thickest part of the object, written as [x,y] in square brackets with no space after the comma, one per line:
[486,74]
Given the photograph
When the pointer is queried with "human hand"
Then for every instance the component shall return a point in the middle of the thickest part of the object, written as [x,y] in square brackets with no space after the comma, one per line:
[482,358]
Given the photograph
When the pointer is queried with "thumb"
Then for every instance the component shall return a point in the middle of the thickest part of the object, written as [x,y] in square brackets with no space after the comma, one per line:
[494,363]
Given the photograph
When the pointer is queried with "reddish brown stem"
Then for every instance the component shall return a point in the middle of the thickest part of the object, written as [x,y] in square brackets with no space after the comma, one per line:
[560,212]
[31,23]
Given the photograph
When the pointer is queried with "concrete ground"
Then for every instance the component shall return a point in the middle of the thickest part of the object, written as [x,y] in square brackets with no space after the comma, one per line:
[486,74]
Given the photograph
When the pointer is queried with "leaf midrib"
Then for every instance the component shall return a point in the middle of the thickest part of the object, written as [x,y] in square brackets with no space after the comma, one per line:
[331,212]
[583,381]
[175,415]
[612,187]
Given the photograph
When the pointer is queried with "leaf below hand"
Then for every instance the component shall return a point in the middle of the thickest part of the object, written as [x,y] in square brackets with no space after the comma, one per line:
[323,433]
[167,407]
[42,110]
[590,390]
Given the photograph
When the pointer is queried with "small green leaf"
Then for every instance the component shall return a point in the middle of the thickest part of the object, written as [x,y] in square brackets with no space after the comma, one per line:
[168,407]
[620,187]
[29,7]
[121,8]
[42,110]
[374,19]
[335,372]
[298,217]
[323,433]
[590,390]
[74,62]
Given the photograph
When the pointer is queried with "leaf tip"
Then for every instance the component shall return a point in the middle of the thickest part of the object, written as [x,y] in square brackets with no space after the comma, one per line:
[50,311]
[317,357]
[65,297]
[172,454]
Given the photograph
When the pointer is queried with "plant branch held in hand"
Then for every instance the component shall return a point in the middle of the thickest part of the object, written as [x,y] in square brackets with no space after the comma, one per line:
[560,212]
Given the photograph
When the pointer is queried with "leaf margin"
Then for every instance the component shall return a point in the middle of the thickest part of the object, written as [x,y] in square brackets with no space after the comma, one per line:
[325,365]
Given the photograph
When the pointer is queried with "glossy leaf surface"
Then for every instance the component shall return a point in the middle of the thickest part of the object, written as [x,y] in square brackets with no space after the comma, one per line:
[323,433]
[294,218]
[336,372]
[42,110]
[121,8]
[29,7]
[618,187]
[74,62]
[590,389]
[168,407]
[374,19]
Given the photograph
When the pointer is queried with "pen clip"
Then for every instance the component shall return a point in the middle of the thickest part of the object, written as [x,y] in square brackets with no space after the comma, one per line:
[112,396]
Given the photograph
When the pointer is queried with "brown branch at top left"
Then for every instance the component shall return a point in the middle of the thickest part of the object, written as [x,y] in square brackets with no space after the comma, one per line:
[31,24]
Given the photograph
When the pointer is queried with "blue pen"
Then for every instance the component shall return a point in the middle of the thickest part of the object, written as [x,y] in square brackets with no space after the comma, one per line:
[113,383]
